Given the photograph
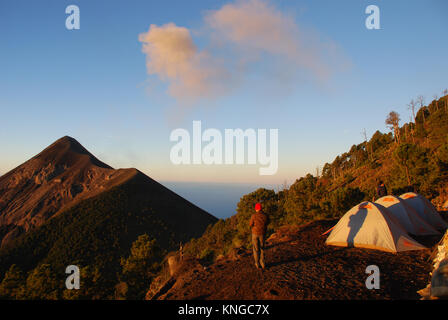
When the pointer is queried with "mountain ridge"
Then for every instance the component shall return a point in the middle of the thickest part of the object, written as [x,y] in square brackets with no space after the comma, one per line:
[55,179]
[91,217]
[58,178]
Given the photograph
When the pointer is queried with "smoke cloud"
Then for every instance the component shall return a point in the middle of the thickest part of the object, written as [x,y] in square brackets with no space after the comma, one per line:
[172,55]
[255,27]
[238,34]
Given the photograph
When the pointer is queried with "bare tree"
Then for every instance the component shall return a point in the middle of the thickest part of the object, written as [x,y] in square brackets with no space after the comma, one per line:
[283,187]
[411,106]
[393,121]
[421,102]
[436,102]
[412,127]
[364,134]
[444,93]
[406,129]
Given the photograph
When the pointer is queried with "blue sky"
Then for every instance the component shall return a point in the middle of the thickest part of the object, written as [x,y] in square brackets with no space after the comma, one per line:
[93,85]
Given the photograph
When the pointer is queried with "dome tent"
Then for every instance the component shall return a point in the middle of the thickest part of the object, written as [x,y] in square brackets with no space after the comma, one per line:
[425,209]
[407,216]
[370,225]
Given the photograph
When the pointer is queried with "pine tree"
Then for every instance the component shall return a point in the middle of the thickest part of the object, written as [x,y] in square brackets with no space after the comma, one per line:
[393,121]
[412,158]
[141,265]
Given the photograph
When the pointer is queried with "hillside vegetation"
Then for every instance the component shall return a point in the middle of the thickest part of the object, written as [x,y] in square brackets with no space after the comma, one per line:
[411,157]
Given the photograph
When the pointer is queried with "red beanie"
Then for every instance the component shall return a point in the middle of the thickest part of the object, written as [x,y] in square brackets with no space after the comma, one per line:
[258,207]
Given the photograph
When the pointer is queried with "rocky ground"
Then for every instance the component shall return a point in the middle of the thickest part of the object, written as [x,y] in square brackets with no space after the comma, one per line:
[301,266]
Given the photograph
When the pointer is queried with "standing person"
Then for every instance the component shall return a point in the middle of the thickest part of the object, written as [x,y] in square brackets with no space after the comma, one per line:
[381,190]
[258,223]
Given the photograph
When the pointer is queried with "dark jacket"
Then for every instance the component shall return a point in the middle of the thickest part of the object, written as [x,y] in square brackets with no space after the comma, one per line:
[381,190]
[259,222]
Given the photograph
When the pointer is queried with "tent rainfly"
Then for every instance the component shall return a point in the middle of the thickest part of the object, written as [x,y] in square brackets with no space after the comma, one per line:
[425,209]
[370,225]
[407,216]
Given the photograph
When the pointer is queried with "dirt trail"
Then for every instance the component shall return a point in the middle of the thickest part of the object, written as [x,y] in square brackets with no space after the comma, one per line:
[301,266]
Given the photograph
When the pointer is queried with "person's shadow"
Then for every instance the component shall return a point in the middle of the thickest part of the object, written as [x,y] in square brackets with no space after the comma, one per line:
[355,224]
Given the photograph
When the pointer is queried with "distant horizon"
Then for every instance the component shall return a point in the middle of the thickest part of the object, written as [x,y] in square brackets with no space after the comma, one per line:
[218,199]
[147,173]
